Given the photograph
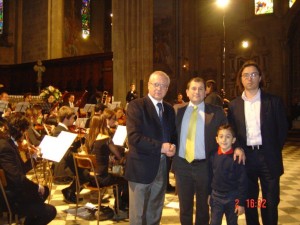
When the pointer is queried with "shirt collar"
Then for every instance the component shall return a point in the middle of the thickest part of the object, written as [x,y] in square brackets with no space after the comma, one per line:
[154,101]
[225,153]
[200,106]
[63,125]
[255,98]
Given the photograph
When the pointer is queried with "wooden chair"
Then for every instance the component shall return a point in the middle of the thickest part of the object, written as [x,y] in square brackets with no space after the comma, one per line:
[89,162]
[3,185]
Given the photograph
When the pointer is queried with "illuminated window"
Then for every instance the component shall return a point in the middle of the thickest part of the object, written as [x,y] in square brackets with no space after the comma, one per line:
[85,18]
[292,2]
[1,16]
[263,7]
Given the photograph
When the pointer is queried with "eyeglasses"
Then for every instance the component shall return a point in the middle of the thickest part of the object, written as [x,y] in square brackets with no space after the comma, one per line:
[250,75]
[156,85]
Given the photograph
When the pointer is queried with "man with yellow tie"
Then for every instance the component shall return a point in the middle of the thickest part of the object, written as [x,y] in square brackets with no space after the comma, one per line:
[197,125]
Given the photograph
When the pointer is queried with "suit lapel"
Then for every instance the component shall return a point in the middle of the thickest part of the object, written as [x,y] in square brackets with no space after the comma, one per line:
[264,107]
[151,108]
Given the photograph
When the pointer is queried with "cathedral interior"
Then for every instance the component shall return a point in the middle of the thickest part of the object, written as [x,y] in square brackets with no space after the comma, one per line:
[127,40]
[89,46]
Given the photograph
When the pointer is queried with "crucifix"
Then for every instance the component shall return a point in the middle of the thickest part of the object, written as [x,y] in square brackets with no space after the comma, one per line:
[39,68]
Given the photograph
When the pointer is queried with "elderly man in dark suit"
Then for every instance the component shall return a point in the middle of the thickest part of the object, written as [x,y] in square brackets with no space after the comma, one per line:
[261,127]
[26,197]
[197,124]
[151,137]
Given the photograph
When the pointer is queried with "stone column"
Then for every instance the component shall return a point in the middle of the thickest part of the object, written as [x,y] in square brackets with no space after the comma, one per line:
[55,28]
[132,45]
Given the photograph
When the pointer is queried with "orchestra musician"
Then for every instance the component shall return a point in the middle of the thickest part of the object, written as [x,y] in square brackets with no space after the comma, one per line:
[26,197]
[4,98]
[50,110]
[121,116]
[35,131]
[99,142]
[71,101]
[66,118]
[27,97]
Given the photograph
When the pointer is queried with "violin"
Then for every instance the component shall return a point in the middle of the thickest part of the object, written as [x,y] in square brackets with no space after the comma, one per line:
[122,120]
[81,132]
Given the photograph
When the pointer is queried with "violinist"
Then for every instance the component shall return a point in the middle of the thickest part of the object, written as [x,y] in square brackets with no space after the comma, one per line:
[121,117]
[66,118]
[99,142]
[35,132]
[26,197]
[50,110]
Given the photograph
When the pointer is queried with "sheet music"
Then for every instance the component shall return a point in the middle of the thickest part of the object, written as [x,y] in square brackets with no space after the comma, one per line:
[120,135]
[3,106]
[22,106]
[54,148]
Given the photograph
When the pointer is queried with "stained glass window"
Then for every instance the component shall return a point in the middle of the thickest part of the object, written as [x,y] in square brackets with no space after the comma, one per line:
[85,18]
[1,16]
[291,2]
[263,7]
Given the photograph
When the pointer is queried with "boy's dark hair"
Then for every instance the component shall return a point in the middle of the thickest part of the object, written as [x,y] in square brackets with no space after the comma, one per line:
[227,127]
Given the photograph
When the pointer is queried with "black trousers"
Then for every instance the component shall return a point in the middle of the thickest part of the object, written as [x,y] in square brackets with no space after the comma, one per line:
[192,179]
[257,169]
[36,211]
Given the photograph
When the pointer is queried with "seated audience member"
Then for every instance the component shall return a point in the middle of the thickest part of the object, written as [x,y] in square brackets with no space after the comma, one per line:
[99,142]
[66,118]
[26,197]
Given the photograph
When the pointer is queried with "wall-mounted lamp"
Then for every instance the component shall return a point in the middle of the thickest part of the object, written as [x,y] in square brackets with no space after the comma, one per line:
[185,65]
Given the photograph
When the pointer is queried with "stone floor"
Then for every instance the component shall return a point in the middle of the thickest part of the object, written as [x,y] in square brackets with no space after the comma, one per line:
[289,207]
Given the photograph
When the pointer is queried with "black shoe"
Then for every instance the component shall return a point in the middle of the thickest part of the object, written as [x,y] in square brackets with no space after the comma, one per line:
[62,180]
[170,188]
[70,197]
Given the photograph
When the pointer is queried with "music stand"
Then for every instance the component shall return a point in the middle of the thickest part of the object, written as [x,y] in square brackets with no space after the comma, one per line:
[88,108]
[21,106]
[75,109]
[3,106]
[80,122]
[115,104]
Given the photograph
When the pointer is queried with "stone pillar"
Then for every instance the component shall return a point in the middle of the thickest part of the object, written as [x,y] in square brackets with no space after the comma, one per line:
[132,45]
[55,28]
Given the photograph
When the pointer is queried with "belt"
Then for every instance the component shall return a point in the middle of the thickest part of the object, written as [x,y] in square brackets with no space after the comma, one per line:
[254,147]
[198,161]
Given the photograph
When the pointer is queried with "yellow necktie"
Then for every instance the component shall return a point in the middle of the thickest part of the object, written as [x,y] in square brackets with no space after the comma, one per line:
[191,135]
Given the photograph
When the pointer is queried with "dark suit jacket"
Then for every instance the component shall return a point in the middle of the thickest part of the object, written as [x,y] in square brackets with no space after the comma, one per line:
[214,117]
[145,139]
[273,128]
[19,188]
